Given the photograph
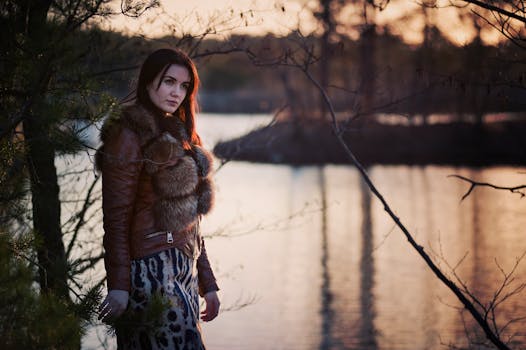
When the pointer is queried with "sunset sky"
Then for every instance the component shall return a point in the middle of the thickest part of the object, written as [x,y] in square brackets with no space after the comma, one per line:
[405,18]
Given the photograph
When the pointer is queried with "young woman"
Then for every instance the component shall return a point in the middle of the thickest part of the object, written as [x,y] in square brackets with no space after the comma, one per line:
[155,187]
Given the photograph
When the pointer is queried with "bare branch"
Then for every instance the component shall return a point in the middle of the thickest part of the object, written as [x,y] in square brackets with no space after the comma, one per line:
[227,231]
[114,70]
[497,9]
[80,216]
[479,318]
[240,303]
[474,184]
[81,265]
[135,10]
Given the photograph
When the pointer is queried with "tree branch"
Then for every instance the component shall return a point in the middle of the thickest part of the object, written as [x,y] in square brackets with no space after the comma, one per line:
[480,319]
[474,184]
[80,215]
[497,9]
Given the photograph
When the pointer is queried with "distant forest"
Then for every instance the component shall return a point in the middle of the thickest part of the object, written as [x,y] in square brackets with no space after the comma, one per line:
[434,77]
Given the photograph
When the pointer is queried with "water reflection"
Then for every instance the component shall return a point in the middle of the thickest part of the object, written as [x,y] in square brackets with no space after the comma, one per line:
[328,269]
[367,331]
[327,312]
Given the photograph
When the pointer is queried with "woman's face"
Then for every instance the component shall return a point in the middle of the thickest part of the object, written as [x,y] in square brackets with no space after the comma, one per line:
[169,95]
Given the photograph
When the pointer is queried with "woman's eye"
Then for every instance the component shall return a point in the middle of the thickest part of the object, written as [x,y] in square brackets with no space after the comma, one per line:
[186,86]
[169,81]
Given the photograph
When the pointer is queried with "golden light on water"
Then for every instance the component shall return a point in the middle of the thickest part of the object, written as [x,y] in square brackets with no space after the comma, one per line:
[317,260]
[405,18]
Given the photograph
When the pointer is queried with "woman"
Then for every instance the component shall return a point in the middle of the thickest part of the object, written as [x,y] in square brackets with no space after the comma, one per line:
[155,186]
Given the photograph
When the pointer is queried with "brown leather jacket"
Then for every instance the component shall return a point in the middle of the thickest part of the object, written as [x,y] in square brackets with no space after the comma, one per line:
[148,207]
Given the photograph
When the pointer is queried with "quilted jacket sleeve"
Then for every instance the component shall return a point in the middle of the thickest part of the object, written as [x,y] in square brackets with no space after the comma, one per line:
[121,168]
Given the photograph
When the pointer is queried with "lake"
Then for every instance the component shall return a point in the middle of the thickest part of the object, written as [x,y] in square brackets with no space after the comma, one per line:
[307,259]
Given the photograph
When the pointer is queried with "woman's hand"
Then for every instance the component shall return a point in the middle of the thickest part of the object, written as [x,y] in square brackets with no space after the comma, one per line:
[212,306]
[114,305]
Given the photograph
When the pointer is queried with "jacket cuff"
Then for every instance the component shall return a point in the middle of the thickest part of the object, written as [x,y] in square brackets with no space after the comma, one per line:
[209,287]
[118,278]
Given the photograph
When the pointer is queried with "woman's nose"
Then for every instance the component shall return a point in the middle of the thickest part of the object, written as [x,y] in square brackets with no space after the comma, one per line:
[177,91]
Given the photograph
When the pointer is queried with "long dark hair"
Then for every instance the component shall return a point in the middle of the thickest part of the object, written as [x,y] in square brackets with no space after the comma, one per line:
[161,60]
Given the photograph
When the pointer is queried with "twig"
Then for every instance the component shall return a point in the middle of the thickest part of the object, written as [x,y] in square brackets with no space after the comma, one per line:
[497,9]
[474,184]
[87,204]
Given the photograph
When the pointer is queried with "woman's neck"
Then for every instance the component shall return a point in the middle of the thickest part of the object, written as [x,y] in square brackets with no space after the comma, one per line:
[153,109]
[166,121]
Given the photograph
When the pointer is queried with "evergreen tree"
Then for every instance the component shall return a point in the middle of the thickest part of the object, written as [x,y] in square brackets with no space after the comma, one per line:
[48,94]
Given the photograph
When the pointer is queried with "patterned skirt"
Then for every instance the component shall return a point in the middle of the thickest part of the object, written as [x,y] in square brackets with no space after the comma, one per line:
[164,304]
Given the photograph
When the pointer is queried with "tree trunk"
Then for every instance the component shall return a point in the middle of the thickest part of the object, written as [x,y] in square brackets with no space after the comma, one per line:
[40,155]
[327,20]
[40,158]
[368,71]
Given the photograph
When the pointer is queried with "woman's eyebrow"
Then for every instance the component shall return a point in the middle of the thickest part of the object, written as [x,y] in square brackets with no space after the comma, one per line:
[169,76]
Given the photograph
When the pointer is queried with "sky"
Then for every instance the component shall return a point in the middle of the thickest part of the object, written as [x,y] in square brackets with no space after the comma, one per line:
[257,17]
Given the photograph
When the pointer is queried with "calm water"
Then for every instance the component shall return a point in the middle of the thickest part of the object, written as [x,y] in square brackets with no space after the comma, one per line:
[307,259]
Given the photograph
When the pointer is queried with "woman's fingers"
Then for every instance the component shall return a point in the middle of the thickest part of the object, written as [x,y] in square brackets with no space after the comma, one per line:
[207,315]
[105,310]
[212,307]
[109,313]
[113,305]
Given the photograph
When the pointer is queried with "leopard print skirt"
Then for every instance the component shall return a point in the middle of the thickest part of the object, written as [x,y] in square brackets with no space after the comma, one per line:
[171,275]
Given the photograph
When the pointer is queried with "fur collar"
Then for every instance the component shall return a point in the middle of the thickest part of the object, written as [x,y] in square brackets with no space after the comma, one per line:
[185,190]
[134,117]
[140,120]
[143,122]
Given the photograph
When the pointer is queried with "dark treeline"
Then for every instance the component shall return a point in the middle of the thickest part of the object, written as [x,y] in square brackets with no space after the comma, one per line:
[61,75]
[434,77]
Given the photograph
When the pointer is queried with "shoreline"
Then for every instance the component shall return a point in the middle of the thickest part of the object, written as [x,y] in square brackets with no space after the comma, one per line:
[313,143]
